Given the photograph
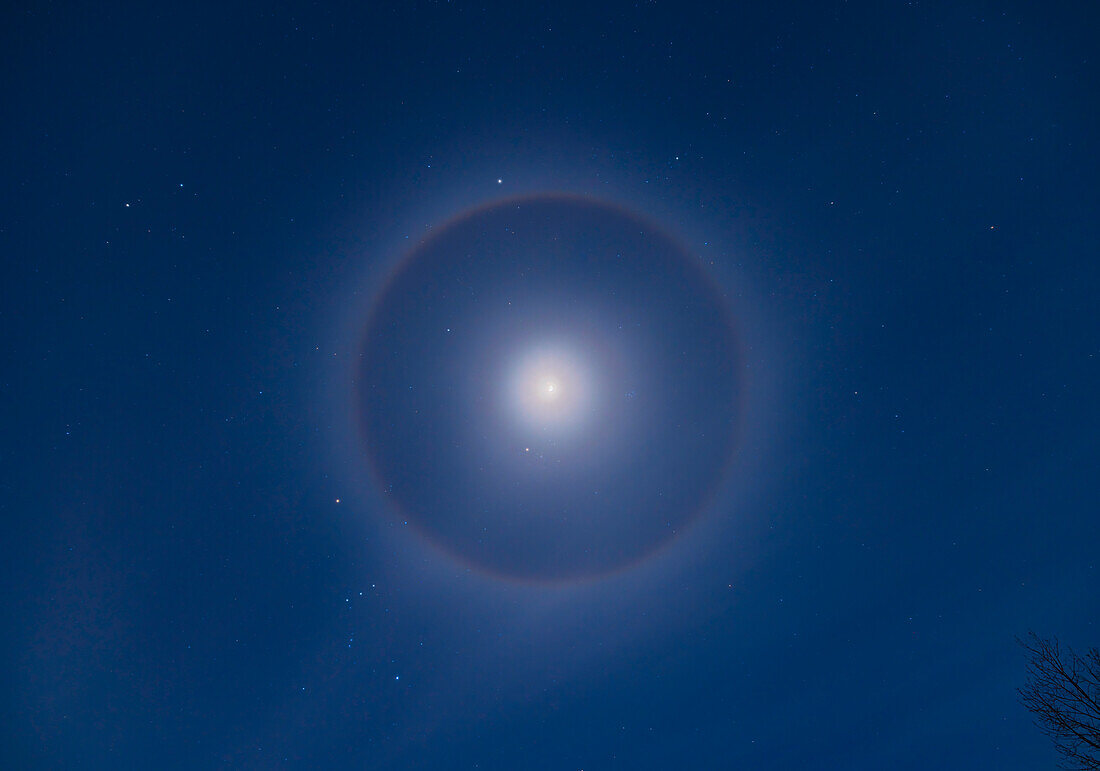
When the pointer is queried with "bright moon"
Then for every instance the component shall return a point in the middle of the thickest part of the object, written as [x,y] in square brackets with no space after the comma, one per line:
[551,388]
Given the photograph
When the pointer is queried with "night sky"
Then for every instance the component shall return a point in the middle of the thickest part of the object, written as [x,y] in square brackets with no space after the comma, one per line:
[544,386]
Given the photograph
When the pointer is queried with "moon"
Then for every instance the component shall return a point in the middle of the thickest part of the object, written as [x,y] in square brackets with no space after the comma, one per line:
[552,388]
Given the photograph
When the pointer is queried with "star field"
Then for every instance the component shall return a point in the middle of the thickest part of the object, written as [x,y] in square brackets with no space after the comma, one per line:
[442,385]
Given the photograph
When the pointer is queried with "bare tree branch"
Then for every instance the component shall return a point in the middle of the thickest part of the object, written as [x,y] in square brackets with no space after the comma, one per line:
[1063,693]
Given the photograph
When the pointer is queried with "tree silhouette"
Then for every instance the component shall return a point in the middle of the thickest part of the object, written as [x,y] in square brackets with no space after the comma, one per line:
[1063,693]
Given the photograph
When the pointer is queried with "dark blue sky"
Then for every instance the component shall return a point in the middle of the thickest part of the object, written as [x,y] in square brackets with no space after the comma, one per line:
[897,203]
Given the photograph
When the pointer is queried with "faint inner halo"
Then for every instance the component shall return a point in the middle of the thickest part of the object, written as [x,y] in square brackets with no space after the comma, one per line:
[549,388]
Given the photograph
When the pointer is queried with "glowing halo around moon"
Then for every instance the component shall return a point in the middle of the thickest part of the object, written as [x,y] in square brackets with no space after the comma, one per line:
[548,388]
[551,389]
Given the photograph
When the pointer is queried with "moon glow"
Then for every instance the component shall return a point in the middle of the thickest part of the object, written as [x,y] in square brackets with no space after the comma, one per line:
[550,390]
